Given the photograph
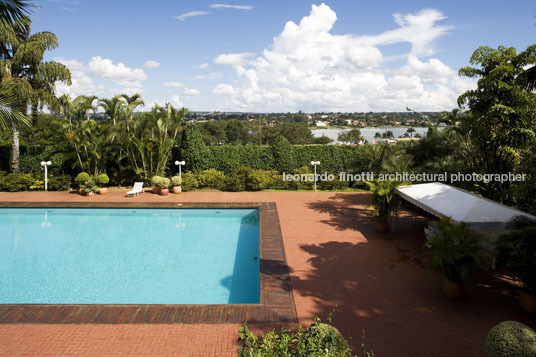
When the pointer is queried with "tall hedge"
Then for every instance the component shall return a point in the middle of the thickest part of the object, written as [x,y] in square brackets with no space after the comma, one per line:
[284,158]
[193,150]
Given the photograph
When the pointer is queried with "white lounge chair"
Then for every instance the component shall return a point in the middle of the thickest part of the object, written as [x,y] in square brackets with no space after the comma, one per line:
[138,188]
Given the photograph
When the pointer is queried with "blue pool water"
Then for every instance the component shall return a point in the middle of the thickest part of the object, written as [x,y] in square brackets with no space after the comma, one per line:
[129,256]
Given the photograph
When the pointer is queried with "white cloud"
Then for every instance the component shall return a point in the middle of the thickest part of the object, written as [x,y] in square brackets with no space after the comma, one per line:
[236,59]
[191,14]
[175,101]
[101,78]
[224,89]
[236,7]
[203,65]
[191,91]
[308,68]
[210,76]
[105,69]
[173,84]
[152,64]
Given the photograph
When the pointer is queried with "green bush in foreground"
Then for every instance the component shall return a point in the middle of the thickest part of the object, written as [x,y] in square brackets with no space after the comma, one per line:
[211,178]
[319,339]
[16,182]
[189,182]
[511,338]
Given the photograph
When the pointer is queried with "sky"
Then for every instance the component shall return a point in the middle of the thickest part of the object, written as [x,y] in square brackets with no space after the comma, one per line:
[280,55]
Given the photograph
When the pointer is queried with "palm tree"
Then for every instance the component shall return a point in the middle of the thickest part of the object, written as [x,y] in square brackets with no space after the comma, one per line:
[12,11]
[114,107]
[133,102]
[82,105]
[10,115]
[24,74]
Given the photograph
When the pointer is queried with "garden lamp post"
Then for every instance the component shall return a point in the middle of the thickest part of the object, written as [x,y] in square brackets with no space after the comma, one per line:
[314,163]
[45,164]
[180,163]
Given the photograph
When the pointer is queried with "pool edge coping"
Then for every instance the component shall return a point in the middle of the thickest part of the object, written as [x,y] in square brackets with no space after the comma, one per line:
[276,298]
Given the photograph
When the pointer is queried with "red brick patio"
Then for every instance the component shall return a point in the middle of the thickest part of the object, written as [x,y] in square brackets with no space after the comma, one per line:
[336,260]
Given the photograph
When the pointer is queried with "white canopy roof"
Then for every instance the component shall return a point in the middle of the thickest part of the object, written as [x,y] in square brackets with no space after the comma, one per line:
[444,200]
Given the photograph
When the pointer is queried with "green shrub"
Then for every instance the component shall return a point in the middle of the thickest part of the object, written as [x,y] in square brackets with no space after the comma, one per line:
[156,181]
[193,150]
[164,182]
[335,184]
[319,339]
[259,180]
[283,151]
[176,180]
[517,251]
[103,179]
[16,182]
[38,184]
[237,181]
[511,338]
[189,182]
[211,178]
[302,184]
[81,178]
[59,182]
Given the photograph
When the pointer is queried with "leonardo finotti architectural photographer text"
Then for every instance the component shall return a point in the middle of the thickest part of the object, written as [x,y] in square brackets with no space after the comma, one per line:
[407,177]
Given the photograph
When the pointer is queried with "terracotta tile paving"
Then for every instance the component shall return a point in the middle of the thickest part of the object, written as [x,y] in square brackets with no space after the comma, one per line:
[336,260]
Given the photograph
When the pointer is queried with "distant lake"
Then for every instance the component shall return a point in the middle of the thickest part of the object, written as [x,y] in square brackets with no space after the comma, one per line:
[367,133]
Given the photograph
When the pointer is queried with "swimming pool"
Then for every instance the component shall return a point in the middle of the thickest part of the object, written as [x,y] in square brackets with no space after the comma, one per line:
[129,256]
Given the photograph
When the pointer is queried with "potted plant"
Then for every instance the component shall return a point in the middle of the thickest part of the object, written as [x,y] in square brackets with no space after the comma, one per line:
[457,252]
[164,184]
[80,180]
[383,201]
[156,184]
[517,253]
[102,179]
[90,187]
[176,181]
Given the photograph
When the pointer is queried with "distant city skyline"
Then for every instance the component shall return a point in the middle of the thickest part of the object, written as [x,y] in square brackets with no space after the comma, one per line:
[277,56]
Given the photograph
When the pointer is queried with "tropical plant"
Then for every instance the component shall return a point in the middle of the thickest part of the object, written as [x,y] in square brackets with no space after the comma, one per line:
[90,186]
[24,74]
[319,339]
[502,112]
[150,140]
[383,197]
[456,251]
[91,143]
[11,116]
[517,252]
[113,107]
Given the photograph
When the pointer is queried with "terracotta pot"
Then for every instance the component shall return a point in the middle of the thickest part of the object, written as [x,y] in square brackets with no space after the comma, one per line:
[453,290]
[176,189]
[156,189]
[382,227]
[527,302]
[103,190]
[164,191]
